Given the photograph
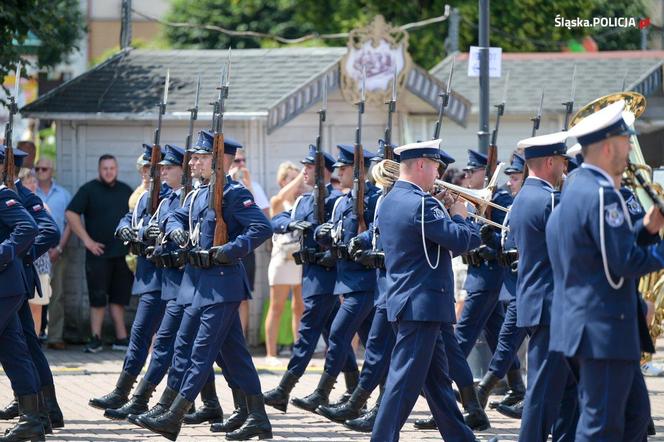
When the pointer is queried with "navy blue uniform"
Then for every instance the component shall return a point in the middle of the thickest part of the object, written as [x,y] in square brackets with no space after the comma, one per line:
[354,282]
[550,380]
[147,285]
[220,288]
[320,302]
[17,234]
[420,300]
[596,257]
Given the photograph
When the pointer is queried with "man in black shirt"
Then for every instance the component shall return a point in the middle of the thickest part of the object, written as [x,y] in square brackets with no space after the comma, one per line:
[102,202]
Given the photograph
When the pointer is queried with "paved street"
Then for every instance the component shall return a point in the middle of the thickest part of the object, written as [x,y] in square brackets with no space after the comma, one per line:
[80,376]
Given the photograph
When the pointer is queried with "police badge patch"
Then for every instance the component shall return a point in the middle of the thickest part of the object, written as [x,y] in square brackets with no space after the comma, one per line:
[633,206]
[613,215]
[438,213]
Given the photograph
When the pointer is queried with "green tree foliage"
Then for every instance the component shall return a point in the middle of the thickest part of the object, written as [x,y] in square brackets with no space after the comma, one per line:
[516,25]
[58,24]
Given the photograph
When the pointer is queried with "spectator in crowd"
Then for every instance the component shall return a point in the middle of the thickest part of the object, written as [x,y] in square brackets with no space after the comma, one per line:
[284,275]
[102,202]
[42,263]
[56,198]
[143,168]
[240,173]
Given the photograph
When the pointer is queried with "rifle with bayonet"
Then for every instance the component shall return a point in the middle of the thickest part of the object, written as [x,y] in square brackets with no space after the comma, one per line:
[536,124]
[186,168]
[155,177]
[445,99]
[9,172]
[358,161]
[492,153]
[218,178]
[569,105]
[388,149]
[320,189]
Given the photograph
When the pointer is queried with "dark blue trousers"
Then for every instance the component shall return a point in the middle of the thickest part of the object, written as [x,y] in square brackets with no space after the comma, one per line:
[319,313]
[419,361]
[149,313]
[551,396]
[220,330]
[481,311]
[378,351]
[184,343]
[509,340]
[459,370]
[162,349]
[34,345]
[613,400]
[354,316]
[14,354]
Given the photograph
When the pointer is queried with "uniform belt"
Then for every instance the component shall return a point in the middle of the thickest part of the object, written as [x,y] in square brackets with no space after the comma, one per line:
[312,256]
[341,252]
[509,258]
[137,248]
[170,260]
[473,258]
[200,259]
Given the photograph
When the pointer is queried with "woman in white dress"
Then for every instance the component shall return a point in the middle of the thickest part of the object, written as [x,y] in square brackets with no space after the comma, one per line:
[284,275]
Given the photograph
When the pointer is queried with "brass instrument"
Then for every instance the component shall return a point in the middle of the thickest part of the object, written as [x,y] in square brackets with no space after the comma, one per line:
[638,176]
[387,172]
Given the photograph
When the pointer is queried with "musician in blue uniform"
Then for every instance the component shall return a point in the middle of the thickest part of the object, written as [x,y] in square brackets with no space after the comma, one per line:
[147,285]
[18,231]
[511,337]
[48,237]
[318,280]
[354,281]
[220,287]
[481,309]
[419,238]
[550,380]
[597,255]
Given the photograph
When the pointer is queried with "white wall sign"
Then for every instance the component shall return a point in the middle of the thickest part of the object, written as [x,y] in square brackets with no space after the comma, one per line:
[495,61]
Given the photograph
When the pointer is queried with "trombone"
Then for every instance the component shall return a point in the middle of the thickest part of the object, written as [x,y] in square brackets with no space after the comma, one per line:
[387,172]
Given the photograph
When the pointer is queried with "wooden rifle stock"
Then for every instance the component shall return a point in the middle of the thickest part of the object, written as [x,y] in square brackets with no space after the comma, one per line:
[217,188]
[187,185]
[320,192]
[155,180]
[9,177]
[358,188]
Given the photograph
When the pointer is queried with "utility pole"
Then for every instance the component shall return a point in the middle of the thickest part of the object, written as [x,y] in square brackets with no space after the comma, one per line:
[483,134]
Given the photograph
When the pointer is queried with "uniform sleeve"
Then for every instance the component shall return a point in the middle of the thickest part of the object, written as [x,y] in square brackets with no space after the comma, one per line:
[280,222]
[256,226]
[49,234]
[178,219]
[366,237]
[617,241]
[23,228]
[455,234]
[79,202]
[504,199]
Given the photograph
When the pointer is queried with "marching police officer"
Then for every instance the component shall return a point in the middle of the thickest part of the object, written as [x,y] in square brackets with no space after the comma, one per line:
[596,257]
[147,284]
[419,238]
[354,281]
[222,284]
[18,232]
[318,279]
[550,380]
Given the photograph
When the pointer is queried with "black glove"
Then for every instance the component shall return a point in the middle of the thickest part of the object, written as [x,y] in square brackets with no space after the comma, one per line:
[326,259]
[179,237]
[487,253]
[487,234]
[324,232]
[219,256]
[354,247]
[152,232]
[299,225]
[366,258]
[127,234]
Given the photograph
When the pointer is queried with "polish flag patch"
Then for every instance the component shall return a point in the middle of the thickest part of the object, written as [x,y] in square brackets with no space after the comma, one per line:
[11,202]
[36,208]
[248,203]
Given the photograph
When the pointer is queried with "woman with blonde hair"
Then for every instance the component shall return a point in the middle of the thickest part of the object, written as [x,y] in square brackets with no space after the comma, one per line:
[284,275]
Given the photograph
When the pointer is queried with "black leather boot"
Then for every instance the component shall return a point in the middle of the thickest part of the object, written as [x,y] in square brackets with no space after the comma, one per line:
[278,397]
[320,396]
[517,391]
[237,418]
[352,379]
[514,411]
[474,416]
[10,411]
[485,387]
[365,423]
[257,423]
[352,409]
[119,395]
[651,428]
[43,415]
[169,423]
[210,411]
[54,412]
[165,401]
[138,403]
[29,426]
[426,424]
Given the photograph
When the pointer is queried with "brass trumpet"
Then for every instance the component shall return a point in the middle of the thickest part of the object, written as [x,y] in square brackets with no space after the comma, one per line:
[387,172]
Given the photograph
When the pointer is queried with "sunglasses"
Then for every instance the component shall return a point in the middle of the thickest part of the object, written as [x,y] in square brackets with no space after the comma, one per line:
[239,160]
[42,169]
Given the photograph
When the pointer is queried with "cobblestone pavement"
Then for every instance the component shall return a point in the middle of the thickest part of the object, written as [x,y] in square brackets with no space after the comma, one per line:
[80,376]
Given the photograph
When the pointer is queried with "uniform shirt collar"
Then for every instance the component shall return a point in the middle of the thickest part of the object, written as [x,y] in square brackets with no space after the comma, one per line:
[542,180]
[598,170]
[411,183]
